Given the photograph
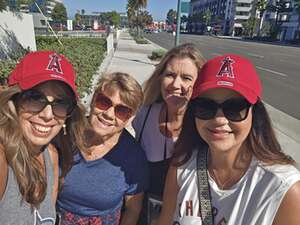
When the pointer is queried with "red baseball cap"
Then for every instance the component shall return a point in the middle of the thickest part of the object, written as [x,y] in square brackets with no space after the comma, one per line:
[229,71]
[40,66]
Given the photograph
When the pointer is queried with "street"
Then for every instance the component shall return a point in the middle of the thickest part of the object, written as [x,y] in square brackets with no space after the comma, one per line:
[278,66]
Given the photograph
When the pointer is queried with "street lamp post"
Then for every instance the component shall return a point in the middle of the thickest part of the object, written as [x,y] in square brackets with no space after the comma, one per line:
[177,38]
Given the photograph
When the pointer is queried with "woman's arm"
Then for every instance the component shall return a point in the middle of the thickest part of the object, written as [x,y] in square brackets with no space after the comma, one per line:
[289,209]
[170,198]
[3,171]
[54,159]
[133,206]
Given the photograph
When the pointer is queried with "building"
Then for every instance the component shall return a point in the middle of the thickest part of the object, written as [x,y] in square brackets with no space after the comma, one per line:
[185,8]
[228,15]
[91,21]
[288,18]
[47,6]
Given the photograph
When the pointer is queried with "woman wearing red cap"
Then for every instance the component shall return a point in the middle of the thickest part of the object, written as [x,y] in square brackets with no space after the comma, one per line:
[228,167]
[41,100]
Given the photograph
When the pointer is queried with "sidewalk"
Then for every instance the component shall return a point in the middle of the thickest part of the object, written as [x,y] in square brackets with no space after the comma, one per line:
[132,58]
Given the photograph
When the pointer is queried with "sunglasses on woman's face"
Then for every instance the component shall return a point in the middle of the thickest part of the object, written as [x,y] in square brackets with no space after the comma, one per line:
[234,109]
[34,101]
[121,111]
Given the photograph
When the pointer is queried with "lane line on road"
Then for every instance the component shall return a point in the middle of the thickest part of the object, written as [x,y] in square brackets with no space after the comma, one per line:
[255,55]
[272,71]
[215,53]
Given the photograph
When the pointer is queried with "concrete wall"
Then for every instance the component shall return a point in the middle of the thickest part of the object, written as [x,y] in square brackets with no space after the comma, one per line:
[110,43]
[16,30]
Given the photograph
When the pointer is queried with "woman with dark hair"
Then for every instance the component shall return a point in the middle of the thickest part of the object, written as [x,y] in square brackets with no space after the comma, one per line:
[40,103]
[159,122]
[228,167]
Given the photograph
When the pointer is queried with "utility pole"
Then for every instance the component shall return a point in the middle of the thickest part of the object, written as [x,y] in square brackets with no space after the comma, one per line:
[178,19]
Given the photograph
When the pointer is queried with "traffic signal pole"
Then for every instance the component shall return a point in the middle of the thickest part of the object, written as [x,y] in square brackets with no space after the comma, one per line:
[178,22]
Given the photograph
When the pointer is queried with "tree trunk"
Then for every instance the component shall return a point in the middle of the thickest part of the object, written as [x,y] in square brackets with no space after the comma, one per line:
[261,23]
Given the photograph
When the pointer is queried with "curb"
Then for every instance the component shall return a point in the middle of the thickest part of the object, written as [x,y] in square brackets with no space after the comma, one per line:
[285,123]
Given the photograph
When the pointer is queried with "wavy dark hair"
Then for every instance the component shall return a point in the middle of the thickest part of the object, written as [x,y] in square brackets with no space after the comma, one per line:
[261,141]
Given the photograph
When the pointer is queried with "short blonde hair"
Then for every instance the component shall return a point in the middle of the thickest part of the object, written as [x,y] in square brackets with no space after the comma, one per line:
[152,85]
[130,90]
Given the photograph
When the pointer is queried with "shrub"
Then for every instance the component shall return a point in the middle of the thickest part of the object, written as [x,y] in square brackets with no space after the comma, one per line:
[157,54]
[140,40]
[86,55]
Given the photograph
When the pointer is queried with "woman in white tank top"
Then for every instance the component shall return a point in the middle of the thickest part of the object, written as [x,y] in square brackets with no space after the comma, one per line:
[244,177]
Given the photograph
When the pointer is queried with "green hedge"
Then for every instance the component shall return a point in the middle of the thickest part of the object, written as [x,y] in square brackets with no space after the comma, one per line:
[86,55]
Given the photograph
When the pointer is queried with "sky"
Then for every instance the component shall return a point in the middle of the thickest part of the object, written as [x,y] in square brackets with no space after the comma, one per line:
[158,8]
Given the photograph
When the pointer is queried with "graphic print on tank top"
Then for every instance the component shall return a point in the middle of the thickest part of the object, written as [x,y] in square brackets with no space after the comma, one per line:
[39,220]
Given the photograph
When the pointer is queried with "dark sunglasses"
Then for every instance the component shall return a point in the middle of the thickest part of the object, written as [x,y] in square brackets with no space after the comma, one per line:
[121,111]
[34,101]
[234,109]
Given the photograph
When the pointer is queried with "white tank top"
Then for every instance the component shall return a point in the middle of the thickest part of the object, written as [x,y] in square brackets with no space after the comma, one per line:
[254,200]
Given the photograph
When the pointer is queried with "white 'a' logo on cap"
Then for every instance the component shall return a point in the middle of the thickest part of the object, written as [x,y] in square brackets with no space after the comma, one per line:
[226,68]
[54,63]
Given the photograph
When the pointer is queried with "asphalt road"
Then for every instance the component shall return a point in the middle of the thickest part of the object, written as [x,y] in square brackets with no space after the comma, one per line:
[278,65]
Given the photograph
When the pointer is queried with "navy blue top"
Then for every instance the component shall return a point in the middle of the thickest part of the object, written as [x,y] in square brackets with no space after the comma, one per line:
[97,187]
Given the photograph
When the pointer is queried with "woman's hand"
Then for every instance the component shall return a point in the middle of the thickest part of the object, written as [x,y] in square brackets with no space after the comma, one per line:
[133,206]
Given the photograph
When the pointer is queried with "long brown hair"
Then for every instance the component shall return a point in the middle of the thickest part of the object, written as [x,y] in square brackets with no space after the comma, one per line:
[261,141]
[152,85]
[31,181]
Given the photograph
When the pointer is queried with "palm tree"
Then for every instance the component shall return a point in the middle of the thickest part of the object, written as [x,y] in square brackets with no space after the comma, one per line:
[133,10]
[261,7]
[3,5]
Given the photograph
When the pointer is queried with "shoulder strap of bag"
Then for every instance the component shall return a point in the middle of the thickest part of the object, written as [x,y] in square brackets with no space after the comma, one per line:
[203,188]
[144,123]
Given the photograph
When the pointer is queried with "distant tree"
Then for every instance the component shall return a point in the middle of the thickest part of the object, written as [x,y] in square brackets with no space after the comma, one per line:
[250,26]
[261,6]
[59,13]
[134,8]
[82,12]
[207,17]
[184,19]
[171,17]
[111,18]
[77,18]
[145,19]
[3,4]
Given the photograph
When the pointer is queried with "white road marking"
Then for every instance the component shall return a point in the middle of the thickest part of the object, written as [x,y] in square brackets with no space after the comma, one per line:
[255,55]
[214,53]
[272,71]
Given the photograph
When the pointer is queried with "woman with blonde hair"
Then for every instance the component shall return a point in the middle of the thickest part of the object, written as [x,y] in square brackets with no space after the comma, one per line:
[167,93]
[112,169]
[40,103]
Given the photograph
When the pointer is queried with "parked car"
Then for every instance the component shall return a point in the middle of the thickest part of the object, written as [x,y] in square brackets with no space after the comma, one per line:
[147,31]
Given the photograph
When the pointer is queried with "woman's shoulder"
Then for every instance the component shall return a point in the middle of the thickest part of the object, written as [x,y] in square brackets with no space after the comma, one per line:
[286,173]
[3,171]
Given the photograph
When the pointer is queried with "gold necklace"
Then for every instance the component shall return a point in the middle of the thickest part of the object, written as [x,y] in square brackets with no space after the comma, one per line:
[221,185]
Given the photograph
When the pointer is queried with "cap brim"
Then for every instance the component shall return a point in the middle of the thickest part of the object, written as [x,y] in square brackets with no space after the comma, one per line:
[242,90]
[30,83]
